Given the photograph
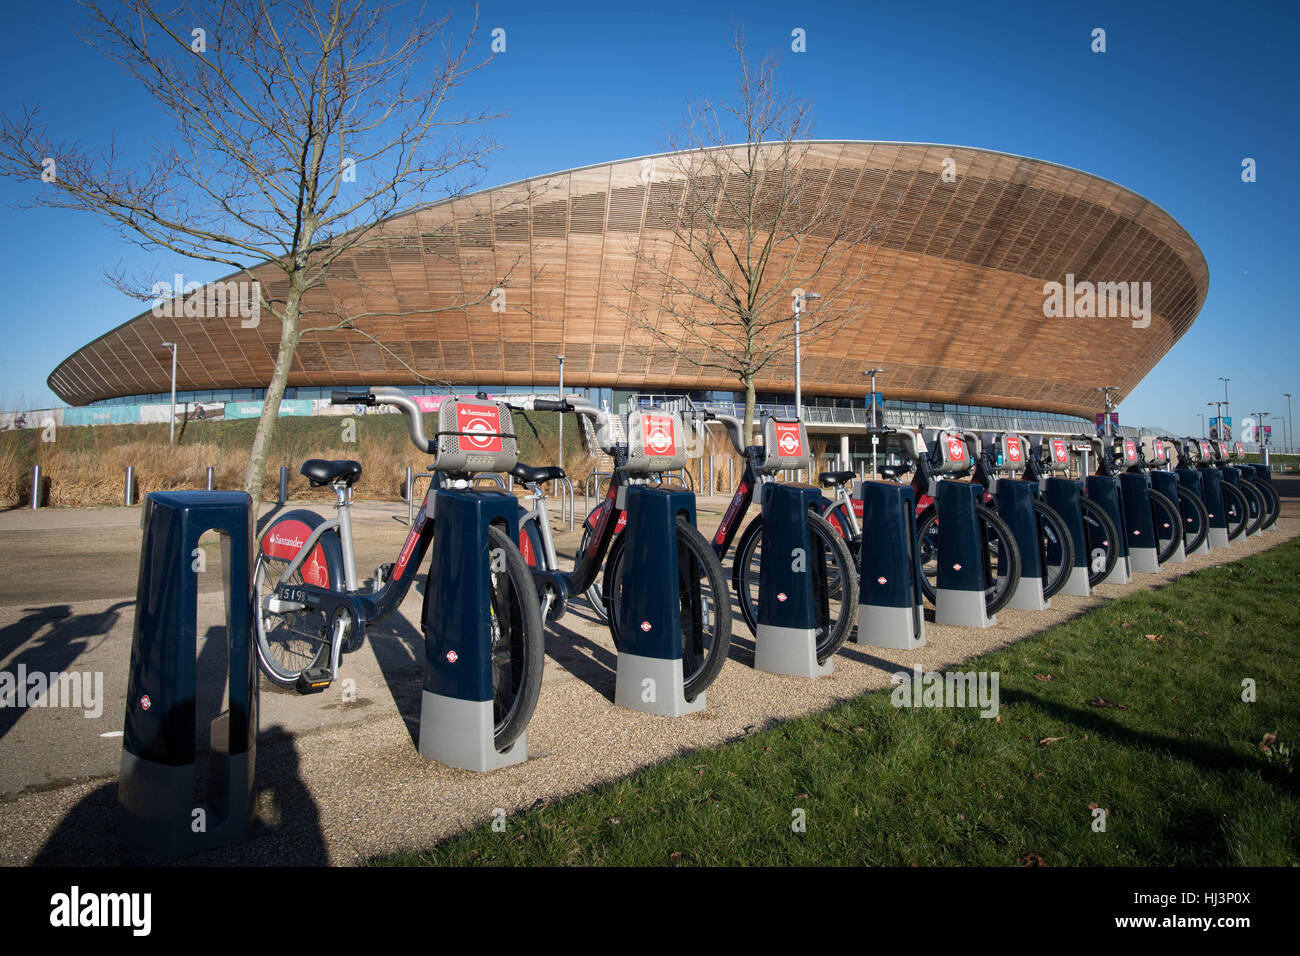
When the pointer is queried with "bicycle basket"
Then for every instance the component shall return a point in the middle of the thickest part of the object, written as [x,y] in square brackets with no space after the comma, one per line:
[1012,448]
[954,456]
[473,436]
[785,445]
[656,441]
[1058,457]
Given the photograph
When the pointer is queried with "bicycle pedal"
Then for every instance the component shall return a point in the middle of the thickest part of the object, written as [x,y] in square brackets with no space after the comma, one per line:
[313,680]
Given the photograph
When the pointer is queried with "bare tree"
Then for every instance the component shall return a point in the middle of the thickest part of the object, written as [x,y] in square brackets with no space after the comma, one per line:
[301,126]
[753,226]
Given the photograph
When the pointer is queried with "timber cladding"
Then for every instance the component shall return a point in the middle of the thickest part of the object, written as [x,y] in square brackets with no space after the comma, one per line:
[947,295]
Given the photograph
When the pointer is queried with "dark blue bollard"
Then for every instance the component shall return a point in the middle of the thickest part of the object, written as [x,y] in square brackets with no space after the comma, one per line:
[889,605]
[959,584]
[1016,507]
[1190,478]
[1166,482]
[457,723]
[1139,524]
[156,805]
[1064,497]
[1262,473]
[791,578]
[649,676]
[1104,490]
[1212,482]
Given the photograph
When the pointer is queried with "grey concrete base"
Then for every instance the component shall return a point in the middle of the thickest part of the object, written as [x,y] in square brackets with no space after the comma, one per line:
[1179,556]
[902,628]
[789,650]
[460,734]
[1204,547]
[962,608]
[653,686]
[1218,538]
[1119,574]
[1076,584]
[155,807]
[1028,596]
[1143,561]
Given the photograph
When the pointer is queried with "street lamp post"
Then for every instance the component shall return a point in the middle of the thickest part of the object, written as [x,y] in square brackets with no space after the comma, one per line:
[800,297]
[1105,390]
[1202,416]
[171,440]
[1222,436]
[871,417]
[561,358]
[1290,438]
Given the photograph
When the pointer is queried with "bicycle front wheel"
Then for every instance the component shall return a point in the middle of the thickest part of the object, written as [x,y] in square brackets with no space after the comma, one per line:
[517,639]
[1055,548]
[1102,539]
[1196,520]
[1236,511]
[1168,522]
[704,605]
[1256,506]
[1000,556]
[835,582]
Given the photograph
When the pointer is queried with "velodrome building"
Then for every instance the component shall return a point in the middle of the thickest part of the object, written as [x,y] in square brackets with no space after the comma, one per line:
[974,301]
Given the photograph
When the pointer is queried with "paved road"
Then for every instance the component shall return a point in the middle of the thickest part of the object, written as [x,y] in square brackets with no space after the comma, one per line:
[340,780]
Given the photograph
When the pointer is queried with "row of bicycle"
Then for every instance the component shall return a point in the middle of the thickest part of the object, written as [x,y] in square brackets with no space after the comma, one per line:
[495,583]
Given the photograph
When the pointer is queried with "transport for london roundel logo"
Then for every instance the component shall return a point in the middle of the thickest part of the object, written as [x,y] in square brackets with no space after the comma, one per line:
[956,450]
[657,434]
[480,427]
[1013,449]
[787,440]
[1058,450]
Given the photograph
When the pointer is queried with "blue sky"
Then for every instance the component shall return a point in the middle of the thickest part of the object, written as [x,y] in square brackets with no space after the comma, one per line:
[1184,92]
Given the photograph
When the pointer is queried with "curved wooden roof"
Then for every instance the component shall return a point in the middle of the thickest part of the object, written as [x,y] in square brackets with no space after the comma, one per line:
[951,306]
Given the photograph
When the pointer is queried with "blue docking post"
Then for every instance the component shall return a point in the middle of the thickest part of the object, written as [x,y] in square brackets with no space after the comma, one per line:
[1166,482]
[649,675]
[1190,478]
[959,588]
[1212,482]
[1016,507]
[792,582]
[165,803]
[1104,490]
[457,718]
[1139,523]
[890,610]
[1064,497]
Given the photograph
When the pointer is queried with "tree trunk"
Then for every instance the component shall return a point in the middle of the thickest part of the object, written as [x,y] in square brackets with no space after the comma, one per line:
[749,409]
[289,336]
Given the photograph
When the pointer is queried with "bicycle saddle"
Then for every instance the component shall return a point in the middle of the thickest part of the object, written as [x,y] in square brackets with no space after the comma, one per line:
[832,478]
[530,475]
[320,471]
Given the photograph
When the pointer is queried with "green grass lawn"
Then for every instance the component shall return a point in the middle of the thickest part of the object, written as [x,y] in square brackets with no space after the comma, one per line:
[1135,708]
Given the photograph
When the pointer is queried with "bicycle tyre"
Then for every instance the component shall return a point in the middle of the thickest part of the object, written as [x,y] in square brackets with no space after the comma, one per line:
[592,594]
[1255,506]
[283,650]
[1166,517]
[1274,502]
[996,594]
[1052,525]
[1237,513]
[518,642]
[706,628]
[1102,540]
[841,578]
[1198,523]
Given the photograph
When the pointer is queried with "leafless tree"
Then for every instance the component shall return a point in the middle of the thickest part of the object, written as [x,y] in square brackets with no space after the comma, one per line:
[751,227]
[301,128]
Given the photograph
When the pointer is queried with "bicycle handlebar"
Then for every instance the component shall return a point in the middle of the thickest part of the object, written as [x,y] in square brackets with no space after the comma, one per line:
[351,398]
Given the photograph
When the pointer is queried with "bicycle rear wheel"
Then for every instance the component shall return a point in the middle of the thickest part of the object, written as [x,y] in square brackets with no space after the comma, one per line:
[704,606]
[517,639]
[292,642]
[835,587]
[1168,522]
